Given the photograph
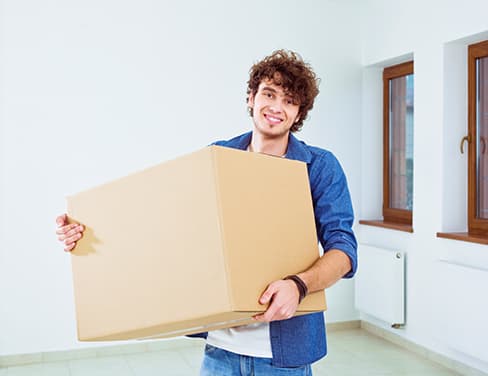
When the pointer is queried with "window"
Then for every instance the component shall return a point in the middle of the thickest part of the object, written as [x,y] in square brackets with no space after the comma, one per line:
[478,139]
[398,143]
[475,63]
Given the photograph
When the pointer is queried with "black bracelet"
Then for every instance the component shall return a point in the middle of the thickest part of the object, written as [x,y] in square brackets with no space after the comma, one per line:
[302,287]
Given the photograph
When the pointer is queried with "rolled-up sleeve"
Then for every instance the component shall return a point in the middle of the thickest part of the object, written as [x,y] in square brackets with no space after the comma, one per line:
[333,210]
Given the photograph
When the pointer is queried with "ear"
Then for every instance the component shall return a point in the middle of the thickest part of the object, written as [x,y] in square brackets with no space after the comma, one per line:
[297,119]
[250,100]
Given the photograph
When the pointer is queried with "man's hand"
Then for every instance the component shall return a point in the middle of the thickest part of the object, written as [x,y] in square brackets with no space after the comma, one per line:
[283,297]
[69,234]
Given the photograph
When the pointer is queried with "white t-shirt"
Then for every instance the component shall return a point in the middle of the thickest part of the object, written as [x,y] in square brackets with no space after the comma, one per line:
[251,340]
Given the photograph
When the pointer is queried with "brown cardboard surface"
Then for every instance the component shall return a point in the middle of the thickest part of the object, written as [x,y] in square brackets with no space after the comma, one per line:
[189,245]
[267,214]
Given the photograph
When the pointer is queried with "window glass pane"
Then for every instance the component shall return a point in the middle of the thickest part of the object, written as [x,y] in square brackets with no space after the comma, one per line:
[482,137]
[401,142]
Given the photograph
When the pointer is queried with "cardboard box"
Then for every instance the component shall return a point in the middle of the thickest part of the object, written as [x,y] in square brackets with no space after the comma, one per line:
[189,245]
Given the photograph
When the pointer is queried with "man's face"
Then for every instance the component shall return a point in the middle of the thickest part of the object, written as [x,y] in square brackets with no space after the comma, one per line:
[274,110]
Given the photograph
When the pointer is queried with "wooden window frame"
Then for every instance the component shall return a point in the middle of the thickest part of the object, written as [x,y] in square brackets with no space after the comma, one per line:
[476,226]
[392,215]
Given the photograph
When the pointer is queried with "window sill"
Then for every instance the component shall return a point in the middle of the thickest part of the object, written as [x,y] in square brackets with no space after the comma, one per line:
[389,225]
[463,236]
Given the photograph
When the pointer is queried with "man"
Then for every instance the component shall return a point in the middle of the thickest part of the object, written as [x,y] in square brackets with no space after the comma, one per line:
[281,90]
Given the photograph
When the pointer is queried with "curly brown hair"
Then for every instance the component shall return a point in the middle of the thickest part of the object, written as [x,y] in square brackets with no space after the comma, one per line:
[288,70]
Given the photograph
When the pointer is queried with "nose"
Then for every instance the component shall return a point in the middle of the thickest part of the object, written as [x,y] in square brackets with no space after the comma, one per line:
[276,106]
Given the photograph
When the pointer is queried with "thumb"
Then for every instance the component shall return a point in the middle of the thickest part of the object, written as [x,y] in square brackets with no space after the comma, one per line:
[267,294]
[61,220]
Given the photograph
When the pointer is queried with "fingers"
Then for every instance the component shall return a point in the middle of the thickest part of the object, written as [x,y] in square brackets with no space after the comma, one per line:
[274,313]
[283,297]
[70,238]
[69,230]
[69,234]
[70,247]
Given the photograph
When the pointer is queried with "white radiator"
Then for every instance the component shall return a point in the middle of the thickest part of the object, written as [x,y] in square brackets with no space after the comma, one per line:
[461,292]
[380,284]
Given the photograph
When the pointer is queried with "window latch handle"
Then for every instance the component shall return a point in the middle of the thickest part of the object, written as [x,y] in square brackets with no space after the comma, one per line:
[464,139]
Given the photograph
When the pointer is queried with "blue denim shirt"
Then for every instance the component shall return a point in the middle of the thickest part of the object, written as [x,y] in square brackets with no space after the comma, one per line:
[301,340]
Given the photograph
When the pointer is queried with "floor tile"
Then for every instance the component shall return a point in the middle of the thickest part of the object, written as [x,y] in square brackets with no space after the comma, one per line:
[193,356]
[108,366]
[43,369]
[166,362]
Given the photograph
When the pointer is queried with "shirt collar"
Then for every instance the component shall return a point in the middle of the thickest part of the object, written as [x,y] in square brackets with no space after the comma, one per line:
[296,150]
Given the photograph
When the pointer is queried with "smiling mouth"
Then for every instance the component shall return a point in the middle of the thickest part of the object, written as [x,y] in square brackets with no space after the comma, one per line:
[273,119]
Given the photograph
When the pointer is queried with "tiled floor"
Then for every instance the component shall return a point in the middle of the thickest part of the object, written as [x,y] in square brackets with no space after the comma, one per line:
[351,353]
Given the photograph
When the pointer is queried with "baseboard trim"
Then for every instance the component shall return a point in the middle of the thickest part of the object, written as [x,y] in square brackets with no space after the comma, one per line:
[442,360]
[94,352]
[343,325]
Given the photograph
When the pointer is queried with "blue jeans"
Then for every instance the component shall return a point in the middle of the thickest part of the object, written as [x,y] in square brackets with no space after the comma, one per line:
[218,362]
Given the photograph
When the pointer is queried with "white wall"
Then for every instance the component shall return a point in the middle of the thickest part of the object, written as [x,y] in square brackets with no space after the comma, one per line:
[434,33]
[93,90]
